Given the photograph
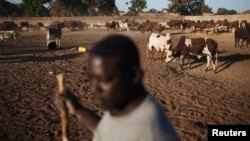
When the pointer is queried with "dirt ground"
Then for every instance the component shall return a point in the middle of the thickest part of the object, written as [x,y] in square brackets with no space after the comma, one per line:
[192,98]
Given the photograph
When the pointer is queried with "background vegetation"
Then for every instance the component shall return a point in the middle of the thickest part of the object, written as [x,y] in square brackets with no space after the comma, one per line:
[70,8]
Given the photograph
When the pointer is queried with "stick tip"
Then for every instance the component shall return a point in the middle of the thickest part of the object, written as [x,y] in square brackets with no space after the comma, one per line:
[59,78]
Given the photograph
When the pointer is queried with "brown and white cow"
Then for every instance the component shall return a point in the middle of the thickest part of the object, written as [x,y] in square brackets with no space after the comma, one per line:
[158,42]
[131,24]
[10,34]
[111,25]
[54,35]
[195,46]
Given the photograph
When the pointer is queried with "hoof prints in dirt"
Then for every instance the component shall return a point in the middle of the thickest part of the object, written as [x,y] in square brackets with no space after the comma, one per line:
[192,98]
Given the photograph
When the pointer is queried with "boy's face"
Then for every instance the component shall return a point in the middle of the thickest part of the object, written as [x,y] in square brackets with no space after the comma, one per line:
[107,83]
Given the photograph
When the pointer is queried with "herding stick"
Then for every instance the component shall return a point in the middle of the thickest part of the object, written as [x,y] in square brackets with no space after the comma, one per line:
[63,111]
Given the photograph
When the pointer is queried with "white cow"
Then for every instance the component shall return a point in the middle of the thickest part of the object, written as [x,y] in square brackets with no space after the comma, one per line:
[159,42]
[10,34]
[123,26]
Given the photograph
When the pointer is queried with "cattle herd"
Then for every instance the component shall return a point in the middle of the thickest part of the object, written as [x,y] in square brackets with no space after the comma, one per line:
[157,40]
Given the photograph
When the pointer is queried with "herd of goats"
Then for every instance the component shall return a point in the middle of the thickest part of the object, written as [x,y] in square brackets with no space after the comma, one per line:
[157,40]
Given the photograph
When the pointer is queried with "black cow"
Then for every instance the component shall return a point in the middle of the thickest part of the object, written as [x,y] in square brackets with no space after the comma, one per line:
[242,34]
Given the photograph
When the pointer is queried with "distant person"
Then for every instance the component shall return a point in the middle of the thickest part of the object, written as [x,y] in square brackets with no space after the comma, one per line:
[130,113]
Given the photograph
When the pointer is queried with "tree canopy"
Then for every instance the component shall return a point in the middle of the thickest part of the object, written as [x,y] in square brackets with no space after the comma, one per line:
[189,7]
[46,8]
[6,7]
[136,6]
[83,8]
[41,8]
[34,8]
[224,11]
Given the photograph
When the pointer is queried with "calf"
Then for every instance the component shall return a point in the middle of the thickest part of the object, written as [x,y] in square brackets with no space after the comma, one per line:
[10,34]
[54,34]
[197,47]
[158,42]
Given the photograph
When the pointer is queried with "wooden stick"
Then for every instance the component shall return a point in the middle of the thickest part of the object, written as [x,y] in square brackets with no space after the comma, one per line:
[63,111]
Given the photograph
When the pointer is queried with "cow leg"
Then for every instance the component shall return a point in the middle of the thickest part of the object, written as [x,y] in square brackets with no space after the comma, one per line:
[182,62]
[241,43]
[189,63]
[149,55]
[58,42]
[208,62]
[162,55]
[237,41]
[152,54]
[248,41]
[148,52]
[214,62]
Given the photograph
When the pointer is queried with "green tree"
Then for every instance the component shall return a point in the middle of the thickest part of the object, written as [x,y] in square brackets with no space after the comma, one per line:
[136,6]
[34,8]
[83,8]
[246,12]
[206,9]
[188,7]
[61,8]
[105,7]
[8,9]
[224,11]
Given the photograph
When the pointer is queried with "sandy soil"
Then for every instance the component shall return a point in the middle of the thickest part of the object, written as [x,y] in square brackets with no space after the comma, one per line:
[192,98]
